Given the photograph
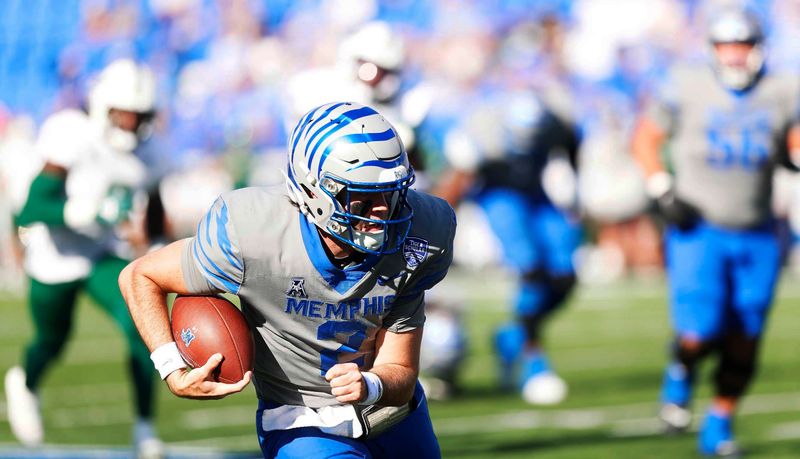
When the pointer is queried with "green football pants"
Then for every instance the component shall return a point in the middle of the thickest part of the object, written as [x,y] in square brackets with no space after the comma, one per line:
[52,306]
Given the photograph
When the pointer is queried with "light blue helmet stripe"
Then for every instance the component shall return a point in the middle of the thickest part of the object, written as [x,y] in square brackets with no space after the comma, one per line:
[290,174]
[321,117]
[295,135]
[316,119]
[356,138]
[341,121]
[305,123]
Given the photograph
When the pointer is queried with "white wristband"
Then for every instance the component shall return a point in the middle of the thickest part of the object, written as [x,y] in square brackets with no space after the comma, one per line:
[167,359]
[658,184]
[374,388]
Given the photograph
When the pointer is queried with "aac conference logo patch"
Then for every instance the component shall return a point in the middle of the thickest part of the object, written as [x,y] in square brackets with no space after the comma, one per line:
[297,288]
[415,251]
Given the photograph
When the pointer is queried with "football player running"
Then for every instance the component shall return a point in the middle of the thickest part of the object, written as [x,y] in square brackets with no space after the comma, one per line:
[499,153]
[727,125]
[331,272]
[74,214]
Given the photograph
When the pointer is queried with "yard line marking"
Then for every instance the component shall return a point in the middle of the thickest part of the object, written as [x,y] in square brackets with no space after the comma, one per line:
[94,416]
[784,431]
[210,418]
[87,394]
[642,427]
[615,416]
[605,416]
[102,451]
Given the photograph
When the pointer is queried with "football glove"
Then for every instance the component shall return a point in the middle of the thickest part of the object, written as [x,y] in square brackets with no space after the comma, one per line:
[85,213]
[675,210]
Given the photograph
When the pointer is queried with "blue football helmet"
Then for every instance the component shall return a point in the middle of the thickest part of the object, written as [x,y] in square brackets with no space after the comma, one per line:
[343,148]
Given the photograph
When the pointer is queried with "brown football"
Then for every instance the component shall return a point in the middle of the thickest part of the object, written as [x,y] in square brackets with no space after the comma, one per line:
[205,325]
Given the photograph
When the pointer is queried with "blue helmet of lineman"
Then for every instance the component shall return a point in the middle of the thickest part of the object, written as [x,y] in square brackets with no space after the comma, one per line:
[343,148]
[737,25]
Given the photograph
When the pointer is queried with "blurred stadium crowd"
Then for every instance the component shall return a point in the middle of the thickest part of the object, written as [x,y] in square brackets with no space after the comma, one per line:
[234,75]
[228,85]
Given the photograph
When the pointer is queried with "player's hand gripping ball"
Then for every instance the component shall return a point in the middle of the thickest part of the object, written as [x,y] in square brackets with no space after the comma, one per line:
[205,325]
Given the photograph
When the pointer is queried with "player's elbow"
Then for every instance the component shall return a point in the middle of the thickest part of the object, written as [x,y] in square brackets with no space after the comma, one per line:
[132,274]
[126,277]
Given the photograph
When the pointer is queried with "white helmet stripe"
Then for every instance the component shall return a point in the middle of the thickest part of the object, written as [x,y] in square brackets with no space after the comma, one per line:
[357,138]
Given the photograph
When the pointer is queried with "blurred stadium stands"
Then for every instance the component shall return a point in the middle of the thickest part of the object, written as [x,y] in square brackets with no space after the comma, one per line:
[224,67]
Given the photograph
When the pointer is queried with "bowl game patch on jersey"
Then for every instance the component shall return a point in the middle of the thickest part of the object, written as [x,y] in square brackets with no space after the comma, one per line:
[415,251]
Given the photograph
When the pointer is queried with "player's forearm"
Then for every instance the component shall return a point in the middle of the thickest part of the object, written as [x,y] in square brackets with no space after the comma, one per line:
[398,383]
[646,145]
[147,305]
[453,185]
[145,284]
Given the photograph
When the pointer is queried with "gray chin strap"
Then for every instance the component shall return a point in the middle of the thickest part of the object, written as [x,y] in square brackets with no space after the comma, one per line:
[371,241]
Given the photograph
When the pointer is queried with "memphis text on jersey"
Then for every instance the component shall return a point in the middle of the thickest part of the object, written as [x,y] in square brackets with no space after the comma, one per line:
[344,310]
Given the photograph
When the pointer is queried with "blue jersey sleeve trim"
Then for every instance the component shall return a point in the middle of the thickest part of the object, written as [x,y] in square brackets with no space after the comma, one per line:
[218,278]
[222,237]
[225,277]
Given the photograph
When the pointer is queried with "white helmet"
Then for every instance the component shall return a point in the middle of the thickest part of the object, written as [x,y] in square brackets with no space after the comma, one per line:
[344,147]
[738,26]
[377,55]
[123,85]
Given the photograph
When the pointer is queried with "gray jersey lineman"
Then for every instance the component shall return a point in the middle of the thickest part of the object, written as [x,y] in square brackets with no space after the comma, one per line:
[729,124]
[724,145]
[305,314]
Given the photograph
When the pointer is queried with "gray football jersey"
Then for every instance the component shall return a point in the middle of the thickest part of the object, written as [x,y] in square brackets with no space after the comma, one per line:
[724,145]
[305,314]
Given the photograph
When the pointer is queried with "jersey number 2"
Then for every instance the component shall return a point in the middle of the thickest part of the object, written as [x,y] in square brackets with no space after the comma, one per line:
[329,330]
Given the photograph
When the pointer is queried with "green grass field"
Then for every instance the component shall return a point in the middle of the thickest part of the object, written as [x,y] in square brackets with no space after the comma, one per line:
[608,344]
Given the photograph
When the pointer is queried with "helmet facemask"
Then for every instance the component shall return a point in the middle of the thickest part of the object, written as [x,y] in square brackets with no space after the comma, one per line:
[127,138]
[351,223]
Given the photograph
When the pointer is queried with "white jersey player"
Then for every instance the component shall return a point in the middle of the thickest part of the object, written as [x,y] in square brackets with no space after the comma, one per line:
[74,215]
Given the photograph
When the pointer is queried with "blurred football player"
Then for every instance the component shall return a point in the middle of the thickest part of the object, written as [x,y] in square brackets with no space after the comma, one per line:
[727,125]
[444,344]
[331,274]
[368,70]
[502,154]
[76,209]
